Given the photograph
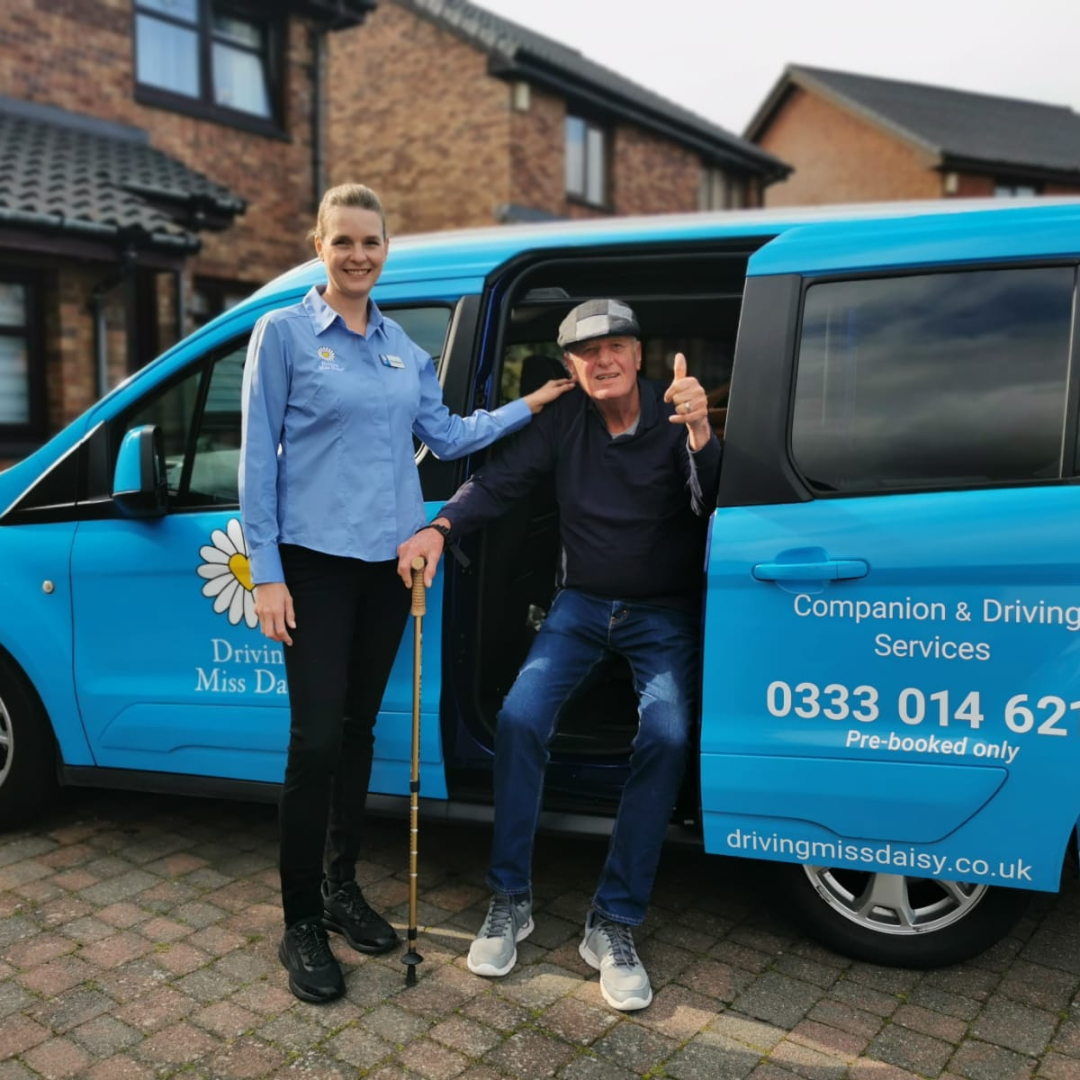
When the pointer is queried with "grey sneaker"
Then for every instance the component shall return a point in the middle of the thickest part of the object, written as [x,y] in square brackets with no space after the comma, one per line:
[494,949]
[609,947]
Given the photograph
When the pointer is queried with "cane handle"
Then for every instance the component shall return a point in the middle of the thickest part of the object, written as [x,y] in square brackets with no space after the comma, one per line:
[419,601]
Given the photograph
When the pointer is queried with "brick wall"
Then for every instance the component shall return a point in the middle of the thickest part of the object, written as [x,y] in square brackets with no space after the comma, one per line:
[649,174]
[415,115]
[653,175]
[839,157]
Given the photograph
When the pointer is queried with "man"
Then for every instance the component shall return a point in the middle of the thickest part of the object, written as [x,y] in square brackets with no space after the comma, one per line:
[636,472]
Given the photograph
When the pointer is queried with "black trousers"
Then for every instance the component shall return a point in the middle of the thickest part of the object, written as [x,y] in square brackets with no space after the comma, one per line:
[350,615]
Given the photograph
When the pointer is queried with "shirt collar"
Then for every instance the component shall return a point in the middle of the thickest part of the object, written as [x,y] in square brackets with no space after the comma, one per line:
[646,400]
[323,316]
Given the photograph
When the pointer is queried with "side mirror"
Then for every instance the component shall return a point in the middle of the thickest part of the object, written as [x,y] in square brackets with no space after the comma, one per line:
[139,482]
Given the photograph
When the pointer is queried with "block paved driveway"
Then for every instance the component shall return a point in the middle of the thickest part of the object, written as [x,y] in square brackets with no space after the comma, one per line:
[138,938]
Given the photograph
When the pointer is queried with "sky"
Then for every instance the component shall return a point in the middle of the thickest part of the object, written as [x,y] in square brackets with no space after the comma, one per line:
[721,58]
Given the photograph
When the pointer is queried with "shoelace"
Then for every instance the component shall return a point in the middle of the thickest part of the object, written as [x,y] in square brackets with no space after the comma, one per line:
[499,917]
[313,946]
[621,942]
[353,899]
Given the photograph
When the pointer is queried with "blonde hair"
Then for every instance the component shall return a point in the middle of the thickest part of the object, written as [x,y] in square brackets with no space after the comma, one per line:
[357,196]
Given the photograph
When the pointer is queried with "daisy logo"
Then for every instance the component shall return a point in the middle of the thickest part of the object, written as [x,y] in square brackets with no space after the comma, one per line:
[227,571]
[327,354]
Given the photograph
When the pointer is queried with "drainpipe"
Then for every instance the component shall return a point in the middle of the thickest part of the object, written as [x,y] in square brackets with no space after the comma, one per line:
[318,156]
[181,303]
[97,309]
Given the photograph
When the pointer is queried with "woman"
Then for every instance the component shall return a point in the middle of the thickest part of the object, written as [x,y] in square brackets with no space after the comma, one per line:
[333,393]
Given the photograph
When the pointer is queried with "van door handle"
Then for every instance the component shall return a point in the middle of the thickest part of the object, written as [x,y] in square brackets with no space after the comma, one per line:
[825,570]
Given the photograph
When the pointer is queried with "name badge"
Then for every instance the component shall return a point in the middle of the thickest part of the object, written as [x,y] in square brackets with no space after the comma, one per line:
[391,361]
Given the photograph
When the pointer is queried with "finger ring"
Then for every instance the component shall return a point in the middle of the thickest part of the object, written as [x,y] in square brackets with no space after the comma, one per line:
[686,406]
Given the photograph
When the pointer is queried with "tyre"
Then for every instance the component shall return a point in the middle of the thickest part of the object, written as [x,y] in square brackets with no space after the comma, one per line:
[27,749]
[896,920]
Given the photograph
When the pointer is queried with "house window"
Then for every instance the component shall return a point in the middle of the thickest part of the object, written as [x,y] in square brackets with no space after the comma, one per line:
[212,296]
[719,191]
[20,389]
[209,57]
[586,161]
[1006,189]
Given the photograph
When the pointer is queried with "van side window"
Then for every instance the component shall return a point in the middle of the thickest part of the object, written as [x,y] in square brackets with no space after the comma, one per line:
[934,380]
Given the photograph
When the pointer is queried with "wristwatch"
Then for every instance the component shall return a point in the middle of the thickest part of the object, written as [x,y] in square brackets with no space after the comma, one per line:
[441,529]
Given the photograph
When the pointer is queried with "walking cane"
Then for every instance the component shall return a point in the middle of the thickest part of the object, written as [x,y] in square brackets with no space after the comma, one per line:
[419,610]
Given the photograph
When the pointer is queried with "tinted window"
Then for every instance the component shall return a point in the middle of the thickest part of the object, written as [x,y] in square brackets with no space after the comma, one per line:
[933,381]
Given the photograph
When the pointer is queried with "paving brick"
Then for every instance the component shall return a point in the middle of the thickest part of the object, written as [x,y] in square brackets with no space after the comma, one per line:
[829,1040]
[1043,987]
[18,1034]
[528,1054]
[122,915]
[497,1012]
[1058,1067]
[245,1060]
[294,1031]
[265,998]
[582,1067]
[466,1036]
[113,951]
[104,1036]
[709,1056]
[120,1067]
[715,979]
[635,1048]
[983,1061]
[1015,1026]
[57,1059]
[399,1026]
[13,998]
[970,982]
[62,911]
[910,1050]
[930,1023]
[863,997]
[755,1034]
[576,1022]
[121,887]
[359,1048]
[14,1070]
[177,1045]
[88,930]
[807,970]
[73,1008]
[807,1062]
[226,1019]
[847,1018]
[930,997]
[39,949]
[730,952]
[432,1061]
[156,1010]
[778,999]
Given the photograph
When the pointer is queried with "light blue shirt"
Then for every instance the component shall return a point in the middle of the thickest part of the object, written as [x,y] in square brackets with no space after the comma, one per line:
[327,459]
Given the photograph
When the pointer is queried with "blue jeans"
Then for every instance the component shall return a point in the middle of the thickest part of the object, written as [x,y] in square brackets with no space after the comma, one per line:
[579,633]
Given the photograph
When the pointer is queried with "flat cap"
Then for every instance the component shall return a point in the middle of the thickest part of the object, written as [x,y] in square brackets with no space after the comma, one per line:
[598,318]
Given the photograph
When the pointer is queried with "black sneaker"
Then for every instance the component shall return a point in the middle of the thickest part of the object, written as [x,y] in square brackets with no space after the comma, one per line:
[346,912]
[314,974]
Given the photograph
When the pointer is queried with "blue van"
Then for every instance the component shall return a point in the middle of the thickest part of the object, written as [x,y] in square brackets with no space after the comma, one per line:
[890,701]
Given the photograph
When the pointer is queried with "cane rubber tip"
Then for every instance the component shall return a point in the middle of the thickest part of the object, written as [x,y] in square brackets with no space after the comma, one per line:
[418,563]
[410,960]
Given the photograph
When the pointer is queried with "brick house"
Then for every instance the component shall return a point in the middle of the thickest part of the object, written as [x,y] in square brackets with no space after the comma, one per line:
[159,159]
[854,138]
[513,126]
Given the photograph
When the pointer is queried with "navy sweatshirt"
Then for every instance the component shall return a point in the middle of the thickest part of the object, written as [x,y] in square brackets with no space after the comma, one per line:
[633,509]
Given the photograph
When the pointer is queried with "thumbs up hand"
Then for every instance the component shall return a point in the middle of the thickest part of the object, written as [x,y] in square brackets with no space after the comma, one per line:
[691,406]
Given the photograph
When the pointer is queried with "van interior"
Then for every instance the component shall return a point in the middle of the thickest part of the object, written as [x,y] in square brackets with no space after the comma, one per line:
[686,301]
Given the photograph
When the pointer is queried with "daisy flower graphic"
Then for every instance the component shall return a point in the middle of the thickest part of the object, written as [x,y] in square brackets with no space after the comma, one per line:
[228,574]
